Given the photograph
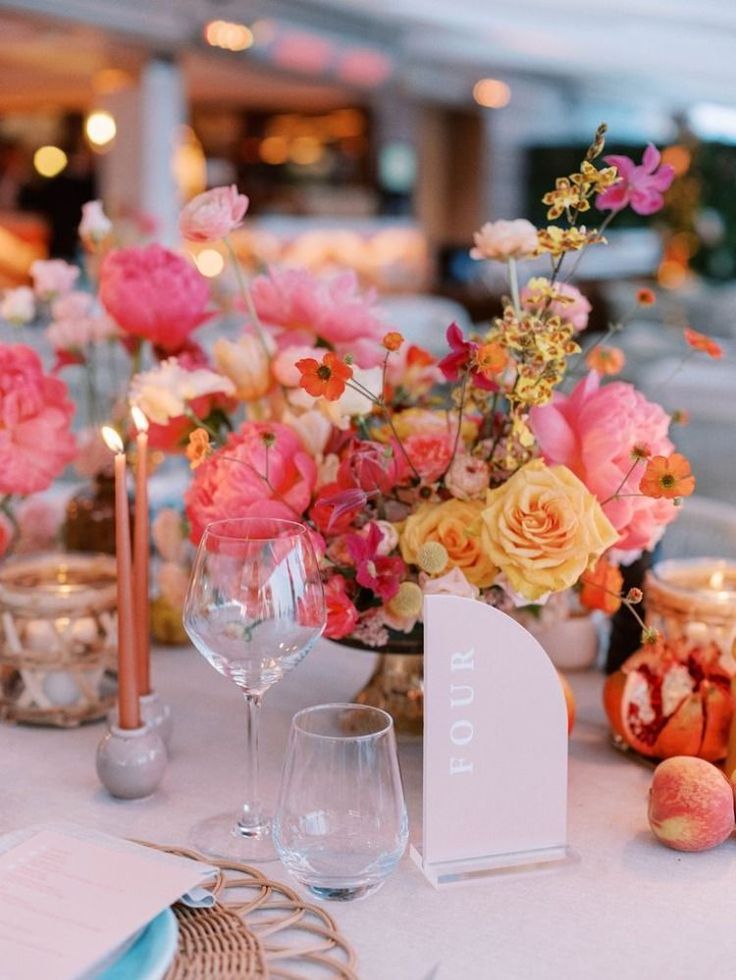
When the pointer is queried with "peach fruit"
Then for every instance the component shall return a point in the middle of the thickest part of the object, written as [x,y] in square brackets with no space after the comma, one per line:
[691,804]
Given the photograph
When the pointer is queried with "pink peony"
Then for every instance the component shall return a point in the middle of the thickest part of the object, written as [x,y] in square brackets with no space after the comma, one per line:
[233,482]
[154,295]
[642,187]
[211,216]
[502,240]
[575,307]
[53,277]
[593,432]
[36,442]
[302,308]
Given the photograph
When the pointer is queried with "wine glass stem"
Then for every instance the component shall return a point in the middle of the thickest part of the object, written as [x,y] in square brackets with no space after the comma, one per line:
[252,818]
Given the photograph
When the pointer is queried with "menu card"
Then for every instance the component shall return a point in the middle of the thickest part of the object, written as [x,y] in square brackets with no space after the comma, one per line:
[67,902]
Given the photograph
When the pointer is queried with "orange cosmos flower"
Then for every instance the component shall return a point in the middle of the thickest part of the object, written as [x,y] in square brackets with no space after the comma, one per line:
[606,360]
[393,340]
[699,341]
[645,297]
[602,587]
[198,448]
[326,379]
[667,476]
[680,416]
[491,359]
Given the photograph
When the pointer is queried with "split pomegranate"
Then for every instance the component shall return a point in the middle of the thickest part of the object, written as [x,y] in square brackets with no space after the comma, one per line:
[670,699]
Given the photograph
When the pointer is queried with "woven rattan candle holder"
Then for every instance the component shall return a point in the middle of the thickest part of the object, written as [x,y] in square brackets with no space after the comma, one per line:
[58,634]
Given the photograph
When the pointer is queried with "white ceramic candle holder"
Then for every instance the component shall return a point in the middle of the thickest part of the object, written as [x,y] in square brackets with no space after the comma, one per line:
[155,715]
[131,761]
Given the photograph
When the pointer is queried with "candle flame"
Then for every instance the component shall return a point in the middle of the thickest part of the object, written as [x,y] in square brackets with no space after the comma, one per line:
[139,418]
[112,440]
[716,579]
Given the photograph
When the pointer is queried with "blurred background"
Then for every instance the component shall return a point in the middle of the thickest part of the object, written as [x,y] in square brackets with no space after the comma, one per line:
[379,134]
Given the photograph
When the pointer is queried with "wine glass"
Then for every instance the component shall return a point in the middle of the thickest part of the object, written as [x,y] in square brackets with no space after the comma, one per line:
[341,824]
[254,609]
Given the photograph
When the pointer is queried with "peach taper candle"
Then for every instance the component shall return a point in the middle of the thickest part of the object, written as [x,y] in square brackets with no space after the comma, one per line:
[141,555]
[128,704]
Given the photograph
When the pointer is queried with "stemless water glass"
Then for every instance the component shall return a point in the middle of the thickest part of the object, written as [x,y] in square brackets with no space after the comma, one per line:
[254,608]
[341,825]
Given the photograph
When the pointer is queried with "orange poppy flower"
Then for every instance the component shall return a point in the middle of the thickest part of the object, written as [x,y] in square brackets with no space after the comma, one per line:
[602,587]
[393,340]
[326,379]
[667,476]
[699,341]
[491,359]
[606,360]
[198,448]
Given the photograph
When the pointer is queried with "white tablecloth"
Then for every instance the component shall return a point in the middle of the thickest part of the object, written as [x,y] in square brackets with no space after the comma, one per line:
[627,908]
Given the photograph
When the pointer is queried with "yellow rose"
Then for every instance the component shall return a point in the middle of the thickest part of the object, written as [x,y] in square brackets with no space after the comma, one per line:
[543,528]
[455,524]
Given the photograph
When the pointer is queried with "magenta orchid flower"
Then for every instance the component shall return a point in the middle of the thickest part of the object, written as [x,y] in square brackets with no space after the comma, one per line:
[376,572]
[460,359]
[642,187]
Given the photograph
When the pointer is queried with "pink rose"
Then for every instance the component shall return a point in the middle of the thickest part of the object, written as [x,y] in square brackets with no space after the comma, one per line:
[502,240]
[154,294]
[302,308]
[53,277]
[574,307]
[262,471]
[593,432]
[36,442]
[211,216]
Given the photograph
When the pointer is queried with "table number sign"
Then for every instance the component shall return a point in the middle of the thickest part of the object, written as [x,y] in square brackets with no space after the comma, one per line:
[495,745]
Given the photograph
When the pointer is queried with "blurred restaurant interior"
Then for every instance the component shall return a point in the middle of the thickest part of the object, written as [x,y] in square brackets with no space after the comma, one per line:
[378,136]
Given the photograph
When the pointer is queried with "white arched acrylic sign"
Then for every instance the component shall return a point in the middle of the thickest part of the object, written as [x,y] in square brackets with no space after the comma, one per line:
[495,745]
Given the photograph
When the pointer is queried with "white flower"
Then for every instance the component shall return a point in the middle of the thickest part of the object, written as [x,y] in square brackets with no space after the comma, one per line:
[352,402]
[164,392]
[453,582]
[95,224]
[312,427]
[247,365]
[18,305]
[502,240]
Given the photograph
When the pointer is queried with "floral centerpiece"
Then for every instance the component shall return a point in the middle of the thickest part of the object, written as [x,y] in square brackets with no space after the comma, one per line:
[509,470]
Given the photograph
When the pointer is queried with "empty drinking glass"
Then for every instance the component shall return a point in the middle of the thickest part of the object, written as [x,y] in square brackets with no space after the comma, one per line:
[341,825]
[254,608]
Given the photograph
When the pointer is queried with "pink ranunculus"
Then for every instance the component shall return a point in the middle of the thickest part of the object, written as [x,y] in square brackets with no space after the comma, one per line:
[154,294]
[53,277]
[502,240]
[263,470]
[36,442]
[211,216]
[642,187]
[301,308]
[593,431]
[575,307]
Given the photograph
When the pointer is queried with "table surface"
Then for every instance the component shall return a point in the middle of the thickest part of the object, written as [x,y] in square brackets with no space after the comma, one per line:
[625,908]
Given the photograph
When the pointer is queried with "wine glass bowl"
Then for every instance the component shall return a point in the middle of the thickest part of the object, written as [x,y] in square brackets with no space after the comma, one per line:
[254,609]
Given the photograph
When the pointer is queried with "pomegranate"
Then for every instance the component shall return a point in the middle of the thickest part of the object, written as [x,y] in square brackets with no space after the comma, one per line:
[670,699]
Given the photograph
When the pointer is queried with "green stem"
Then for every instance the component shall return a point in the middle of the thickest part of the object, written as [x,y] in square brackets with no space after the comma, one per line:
[247,298]
[617,493]
[514,285]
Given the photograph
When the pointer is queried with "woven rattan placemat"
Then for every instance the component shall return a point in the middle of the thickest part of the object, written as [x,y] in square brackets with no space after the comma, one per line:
[258,928]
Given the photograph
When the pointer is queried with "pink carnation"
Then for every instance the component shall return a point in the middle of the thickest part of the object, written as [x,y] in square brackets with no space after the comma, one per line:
[154,294]
[302,308]
[211,216]
[575,308]
[593,432]
[232,483]
[36,442]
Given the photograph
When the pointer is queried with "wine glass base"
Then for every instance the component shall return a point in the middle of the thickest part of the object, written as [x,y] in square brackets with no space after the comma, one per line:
[351,893]
[222,837]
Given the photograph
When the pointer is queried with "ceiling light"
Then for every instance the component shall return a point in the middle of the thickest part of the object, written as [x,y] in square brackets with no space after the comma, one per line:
[100,127]
[491,93]
[227,35]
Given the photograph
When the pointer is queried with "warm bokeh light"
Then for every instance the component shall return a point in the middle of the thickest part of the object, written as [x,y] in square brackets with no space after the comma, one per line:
[109,80]
[209,262]
[227,35]
[491,93]
[678,157]
[49,161]
[139,418]
[306,150]
[189,164]
[112,439]
[100,127]
[274,150]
